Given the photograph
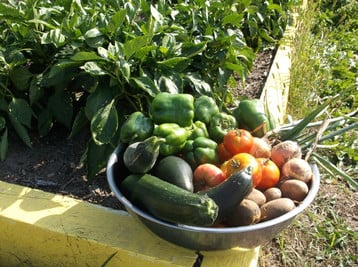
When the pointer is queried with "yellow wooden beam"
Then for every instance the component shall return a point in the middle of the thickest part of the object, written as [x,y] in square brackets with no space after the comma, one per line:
[45,229]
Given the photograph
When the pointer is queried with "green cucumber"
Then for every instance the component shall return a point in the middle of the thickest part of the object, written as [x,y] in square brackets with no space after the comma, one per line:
[169,202]
[231,192]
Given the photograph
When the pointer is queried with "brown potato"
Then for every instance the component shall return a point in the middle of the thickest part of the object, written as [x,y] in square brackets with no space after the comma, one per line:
[276,208]
[257,196]
[272,193]
[294,189]
[246,213]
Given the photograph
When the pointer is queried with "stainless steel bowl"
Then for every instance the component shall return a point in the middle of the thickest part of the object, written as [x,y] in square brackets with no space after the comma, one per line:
[205,238]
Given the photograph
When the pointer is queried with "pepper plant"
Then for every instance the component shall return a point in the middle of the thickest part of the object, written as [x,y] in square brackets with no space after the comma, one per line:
[92,63]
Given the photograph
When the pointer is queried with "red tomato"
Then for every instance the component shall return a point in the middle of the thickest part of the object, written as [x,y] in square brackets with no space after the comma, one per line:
[270,173]
[238,141]
[206,176]
[224,154]
[241,161]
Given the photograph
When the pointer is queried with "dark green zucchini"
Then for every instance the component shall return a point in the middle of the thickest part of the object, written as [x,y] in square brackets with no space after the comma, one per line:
[169,202]
[231,192]
[176,171]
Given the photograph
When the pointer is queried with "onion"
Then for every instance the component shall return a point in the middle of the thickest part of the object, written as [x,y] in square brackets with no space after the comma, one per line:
[297,169]
[285,151]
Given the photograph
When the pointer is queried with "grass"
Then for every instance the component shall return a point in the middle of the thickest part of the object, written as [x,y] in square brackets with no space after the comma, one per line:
[324,63]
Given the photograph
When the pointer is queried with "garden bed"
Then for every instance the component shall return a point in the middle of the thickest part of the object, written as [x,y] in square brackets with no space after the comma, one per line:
[53,163]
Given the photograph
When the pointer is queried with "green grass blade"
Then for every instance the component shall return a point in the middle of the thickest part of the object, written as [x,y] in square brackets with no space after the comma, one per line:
[327,165]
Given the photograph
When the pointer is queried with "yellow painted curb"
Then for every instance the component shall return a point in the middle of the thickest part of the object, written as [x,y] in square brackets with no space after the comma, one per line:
[44,229]
[276,90]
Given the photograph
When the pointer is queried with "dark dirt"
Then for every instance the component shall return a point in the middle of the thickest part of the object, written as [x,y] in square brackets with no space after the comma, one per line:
[53,163]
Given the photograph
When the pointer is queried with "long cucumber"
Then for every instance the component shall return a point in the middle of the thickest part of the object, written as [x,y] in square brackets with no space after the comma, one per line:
[169,202]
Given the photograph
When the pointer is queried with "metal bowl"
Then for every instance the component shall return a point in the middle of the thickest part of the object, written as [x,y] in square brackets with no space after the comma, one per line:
[205,238]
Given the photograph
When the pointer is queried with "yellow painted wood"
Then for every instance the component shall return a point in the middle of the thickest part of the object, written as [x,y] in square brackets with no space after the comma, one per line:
[276,89]
[44,229]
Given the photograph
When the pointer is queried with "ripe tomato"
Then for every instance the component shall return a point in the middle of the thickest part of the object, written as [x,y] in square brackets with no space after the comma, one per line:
[206,176]
[224,154]
[270,173]
[241,161]
[238,141]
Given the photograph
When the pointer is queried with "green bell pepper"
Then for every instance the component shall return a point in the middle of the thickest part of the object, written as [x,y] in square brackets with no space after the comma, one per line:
[198,129]
[251,116]
[201,150]
[137,127]
[220,124]
[174,135]
[204,108]
[173,108]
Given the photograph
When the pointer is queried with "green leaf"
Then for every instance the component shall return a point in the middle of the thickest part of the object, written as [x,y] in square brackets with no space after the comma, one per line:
[233,19]
[104,124]
[146,84]
[133,46]
[117,20]
[190,49]
[21,78]
[94,38]
[36,91]
[54,37]
[96,100]
[168,85]
[80,121]
[44,122]
[4,144]
[60,105]
[178,64]
[199,84]
[94,69]
[97,156]
[9,11]
[20,130]
[21,111]
[86,56]
[2,123]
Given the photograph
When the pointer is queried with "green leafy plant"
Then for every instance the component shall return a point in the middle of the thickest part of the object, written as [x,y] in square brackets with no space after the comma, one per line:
[89,64]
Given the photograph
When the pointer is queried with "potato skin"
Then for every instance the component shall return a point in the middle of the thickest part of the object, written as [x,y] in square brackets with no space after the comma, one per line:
[294,189]
[257,196]
[246,213]
[272,193]
[276,208]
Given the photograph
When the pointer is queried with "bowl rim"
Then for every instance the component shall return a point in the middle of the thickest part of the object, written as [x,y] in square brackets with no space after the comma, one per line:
[225,230]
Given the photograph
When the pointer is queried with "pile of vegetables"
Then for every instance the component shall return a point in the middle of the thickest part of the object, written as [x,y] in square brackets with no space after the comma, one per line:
[187,162]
